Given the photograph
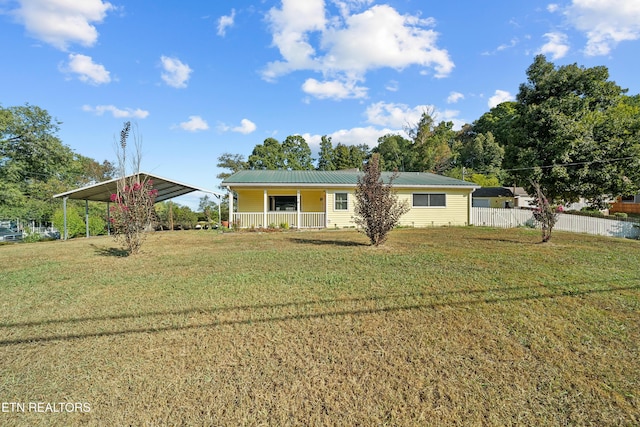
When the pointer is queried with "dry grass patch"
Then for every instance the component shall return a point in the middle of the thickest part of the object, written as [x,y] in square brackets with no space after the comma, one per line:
[464,326]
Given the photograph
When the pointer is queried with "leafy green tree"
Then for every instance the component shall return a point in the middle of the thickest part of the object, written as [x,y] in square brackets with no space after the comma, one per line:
[209,208]
[342,157]
[296,153]
[75,221]
[184,217]
[232,162]
[377,209]
[574,134]
[500,121]
[358,154]
[481,153]
[395,152]
[326,156]
[432,144]
[268,155]
[293,154]
[35,165]
[31,155]
[483,180]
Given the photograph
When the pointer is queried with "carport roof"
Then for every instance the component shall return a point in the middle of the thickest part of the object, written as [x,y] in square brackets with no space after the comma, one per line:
[101,192]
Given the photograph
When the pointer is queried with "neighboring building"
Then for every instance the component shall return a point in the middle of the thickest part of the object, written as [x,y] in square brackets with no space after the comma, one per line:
[321,199]
[628,204]
[501,197]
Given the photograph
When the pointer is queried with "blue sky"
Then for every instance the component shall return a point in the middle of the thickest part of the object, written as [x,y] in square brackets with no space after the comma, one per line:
[202,78]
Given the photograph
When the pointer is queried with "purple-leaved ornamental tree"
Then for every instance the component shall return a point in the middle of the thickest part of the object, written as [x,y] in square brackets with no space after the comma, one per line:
[377,209]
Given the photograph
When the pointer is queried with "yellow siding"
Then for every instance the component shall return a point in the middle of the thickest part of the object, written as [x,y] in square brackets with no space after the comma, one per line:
[455,212]
[252,200]
[312,200]
[340,218]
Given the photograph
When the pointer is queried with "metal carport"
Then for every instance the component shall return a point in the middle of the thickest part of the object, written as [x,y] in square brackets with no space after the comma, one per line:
[101,192]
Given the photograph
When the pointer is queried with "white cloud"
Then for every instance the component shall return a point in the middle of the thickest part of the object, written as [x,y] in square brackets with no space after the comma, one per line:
[62,22]
[392,86]
[557,45]
[401,116]
[397,116]
[86,70]
[355,136]
[512,43]
[381,37]
[552,7]
[348,46]
[333,89]
[175,74]
[225,22]
[194,124]
[454,97]
[116,112]
[605,23]
[385,118]
[499,97]
[246,127]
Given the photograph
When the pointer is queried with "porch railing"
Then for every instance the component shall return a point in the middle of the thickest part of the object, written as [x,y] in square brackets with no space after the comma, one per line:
[277,219]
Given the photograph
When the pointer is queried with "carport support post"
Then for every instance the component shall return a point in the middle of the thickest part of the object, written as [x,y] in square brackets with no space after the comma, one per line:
[219,212]
[65,233]
[108,220]
[86,216]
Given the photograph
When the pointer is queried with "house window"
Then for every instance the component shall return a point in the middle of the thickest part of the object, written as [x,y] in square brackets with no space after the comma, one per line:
[283,203]
[631,199]
[429,200]
[341,202]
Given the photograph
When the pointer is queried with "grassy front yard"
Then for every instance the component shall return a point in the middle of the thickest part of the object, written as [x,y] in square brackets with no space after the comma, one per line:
[464,326]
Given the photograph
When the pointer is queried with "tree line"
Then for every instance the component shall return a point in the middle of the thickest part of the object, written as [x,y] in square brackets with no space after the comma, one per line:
[571,130]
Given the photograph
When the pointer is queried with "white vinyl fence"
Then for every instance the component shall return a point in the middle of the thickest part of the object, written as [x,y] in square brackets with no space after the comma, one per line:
[510,218]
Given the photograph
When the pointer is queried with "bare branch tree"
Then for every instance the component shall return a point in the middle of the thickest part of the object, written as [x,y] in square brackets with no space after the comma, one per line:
[545,213]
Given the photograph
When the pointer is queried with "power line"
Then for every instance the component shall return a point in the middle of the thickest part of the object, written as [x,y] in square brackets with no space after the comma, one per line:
[572,164]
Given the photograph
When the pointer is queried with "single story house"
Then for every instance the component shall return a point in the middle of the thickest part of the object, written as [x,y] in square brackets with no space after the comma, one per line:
[501,197]
[626,204]
[326,199]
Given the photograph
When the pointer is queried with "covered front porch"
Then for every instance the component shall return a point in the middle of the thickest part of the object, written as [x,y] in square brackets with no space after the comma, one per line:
[282,207]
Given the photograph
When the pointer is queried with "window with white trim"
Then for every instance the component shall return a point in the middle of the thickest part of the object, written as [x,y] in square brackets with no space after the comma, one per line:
[341,201]
[429,200]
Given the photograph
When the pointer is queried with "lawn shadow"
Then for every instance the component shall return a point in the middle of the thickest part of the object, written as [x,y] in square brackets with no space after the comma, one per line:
[114,252]
[322,242]
[421,300]
[505,240]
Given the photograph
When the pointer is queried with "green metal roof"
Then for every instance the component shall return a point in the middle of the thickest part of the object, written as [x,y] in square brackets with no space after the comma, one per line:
[339,178]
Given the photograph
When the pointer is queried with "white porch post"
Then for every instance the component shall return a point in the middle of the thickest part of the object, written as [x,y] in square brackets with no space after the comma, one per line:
[298,207]
[265,207]
[470,208]
[230,207]
[326,210]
